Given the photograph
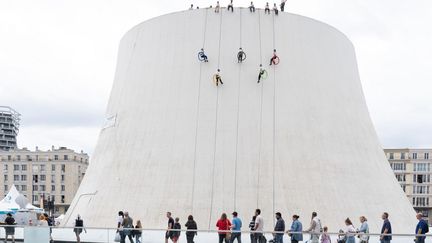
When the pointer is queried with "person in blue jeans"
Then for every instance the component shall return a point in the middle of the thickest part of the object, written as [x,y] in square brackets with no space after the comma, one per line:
[386,229]
[236,225]
[421,229]
[279,228]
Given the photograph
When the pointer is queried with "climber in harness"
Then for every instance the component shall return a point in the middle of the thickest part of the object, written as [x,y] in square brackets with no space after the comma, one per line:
[267,8]
[275,9]
[241,55]
[202,56]
[252,8]
[217,78]
[262,74]
[275,59]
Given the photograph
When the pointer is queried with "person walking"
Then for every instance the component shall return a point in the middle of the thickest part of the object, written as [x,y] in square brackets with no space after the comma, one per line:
[252,228]
[314,228]
[252,8]
[177,232]
[217,8]
[79,228]
[275,9]
[386,229]
[282,5]
[119,223]
[267,9]
[261,73]
[279,228]
[191,225]
[138,231]
[223,225]
[350,231]
[9,231]
[218,78]
[364,230]
[421,229]
[230,6]
[127,225]
[259,226]
[296,229]
[236,228]
[325,237]
[168,233]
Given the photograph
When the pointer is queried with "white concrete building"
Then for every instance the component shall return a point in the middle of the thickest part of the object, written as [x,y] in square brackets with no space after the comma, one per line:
[300,141]
[53,174]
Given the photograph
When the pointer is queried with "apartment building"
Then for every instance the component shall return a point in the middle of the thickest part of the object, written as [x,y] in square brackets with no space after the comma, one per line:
[412,168]
[9,126]
[51,176]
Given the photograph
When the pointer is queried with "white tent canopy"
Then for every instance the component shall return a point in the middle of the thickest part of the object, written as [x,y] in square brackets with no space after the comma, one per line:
[15,201]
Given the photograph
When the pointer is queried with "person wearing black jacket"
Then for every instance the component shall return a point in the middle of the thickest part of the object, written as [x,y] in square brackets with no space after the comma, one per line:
[191,225]
[280,228]
[252,227]
[9,220]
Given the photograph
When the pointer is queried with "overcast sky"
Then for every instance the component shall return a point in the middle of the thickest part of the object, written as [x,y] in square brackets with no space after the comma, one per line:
[57,62]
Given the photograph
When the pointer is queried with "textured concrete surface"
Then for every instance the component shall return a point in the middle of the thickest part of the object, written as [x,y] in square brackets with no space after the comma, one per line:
[300,141]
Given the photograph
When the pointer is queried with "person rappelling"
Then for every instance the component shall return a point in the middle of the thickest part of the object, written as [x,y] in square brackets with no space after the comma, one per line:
[202,56]
[217,78]
[275,59]
[217,8]
[241,55]
[262,74]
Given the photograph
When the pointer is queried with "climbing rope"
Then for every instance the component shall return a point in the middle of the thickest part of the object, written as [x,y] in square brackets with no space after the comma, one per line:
[261,110]
[216,125]
[197,118]
[274,118]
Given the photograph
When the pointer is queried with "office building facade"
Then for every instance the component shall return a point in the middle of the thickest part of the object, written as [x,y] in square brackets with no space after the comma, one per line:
[9,125]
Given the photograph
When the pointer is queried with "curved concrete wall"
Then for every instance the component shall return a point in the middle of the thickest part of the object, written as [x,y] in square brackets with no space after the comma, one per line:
[300,141]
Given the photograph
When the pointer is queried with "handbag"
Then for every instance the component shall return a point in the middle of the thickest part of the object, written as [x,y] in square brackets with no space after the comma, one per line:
[117,237]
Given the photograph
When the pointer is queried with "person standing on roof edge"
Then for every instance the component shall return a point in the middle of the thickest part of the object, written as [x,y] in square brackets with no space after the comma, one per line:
[267,9]
[230,6]
[217,8]
[252,8]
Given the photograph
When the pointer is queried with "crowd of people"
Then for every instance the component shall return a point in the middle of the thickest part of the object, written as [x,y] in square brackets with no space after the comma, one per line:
[230,7]
[229,231]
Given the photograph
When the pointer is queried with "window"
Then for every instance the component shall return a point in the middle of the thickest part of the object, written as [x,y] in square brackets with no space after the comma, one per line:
[52,188]
[5,177]
[426,156]
[24,177]
[398,166]
[402,155]
[42,177]
[9,157]
[421,189]
[19,157]
[403,188]
[62,177]
[5,167]
[63,168]
[421,201]
[23,188]
[391,156]
[63,188]
[53,167]
[37,157]
[16,167]
[421,178]
[422,167]
[65,157]
[16,177]
[62,199]
[35,198]
[400,178]
[42,167]
[35,187]
[23,167]
[28,157]
[52,178]
[55,157]
[35,178]
[5,188]
[414,155]
[42,188]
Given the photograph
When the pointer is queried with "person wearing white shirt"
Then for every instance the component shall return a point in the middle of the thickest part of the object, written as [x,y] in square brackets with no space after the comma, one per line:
[259,226]
[314,228]
[350,231]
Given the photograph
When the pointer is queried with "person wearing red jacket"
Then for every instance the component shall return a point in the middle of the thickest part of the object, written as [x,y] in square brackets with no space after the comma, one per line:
[223,224]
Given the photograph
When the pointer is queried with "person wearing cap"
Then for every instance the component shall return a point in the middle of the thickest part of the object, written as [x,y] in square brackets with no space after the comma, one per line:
[10,231]
[296,229]
[279,228]
[236,225]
